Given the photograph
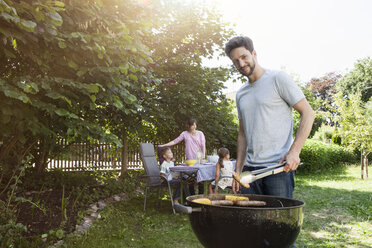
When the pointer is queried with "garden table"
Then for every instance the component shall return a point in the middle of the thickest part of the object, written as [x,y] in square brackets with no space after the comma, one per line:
[188,175]
[205,173]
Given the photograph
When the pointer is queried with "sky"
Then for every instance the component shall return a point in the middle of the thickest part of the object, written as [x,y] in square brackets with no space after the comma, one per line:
[308,38]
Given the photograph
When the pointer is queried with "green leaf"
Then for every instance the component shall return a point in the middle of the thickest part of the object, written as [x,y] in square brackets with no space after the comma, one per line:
[34,86]
[28,25]
[81,72]
[39,16]
[55,18]
[75,34]
[118,104]
[130,99]
[72,64]
[60,233]
[68,101]
[93,88]
[124,70]
[52,31]
[61,112]
[14,43]
[29,89]
[72,115]
[93,98]
[133,77]
[11,93]
[61,44]
[8,17]
[54,95]
[59,4]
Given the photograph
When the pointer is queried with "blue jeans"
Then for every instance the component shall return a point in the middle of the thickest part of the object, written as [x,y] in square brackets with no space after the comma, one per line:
[281,184]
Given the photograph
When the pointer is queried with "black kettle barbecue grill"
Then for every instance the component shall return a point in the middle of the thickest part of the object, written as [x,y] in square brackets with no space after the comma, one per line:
[275,225]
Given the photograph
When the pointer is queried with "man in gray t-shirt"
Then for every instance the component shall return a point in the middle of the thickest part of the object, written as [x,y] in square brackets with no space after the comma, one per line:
[265,121]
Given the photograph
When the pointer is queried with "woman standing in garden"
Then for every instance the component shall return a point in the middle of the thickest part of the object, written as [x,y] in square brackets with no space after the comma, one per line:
[194,145]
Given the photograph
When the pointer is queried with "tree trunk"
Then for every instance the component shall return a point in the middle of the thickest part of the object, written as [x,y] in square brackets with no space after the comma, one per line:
[365,164]
[361,165]
[124,156]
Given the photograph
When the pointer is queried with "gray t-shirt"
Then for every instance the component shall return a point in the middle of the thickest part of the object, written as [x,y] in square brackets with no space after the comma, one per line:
[265,108]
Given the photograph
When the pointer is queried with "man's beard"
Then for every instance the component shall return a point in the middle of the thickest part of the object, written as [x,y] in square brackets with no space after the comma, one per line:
[250,71]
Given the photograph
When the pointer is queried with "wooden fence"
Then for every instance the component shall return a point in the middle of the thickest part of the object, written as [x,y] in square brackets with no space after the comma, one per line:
[86,156]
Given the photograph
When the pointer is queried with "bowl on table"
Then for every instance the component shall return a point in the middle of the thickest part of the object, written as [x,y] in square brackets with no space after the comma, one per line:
[190,162]
[212,158]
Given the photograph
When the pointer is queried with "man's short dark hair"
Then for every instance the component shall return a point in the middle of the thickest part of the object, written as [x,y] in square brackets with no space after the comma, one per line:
[239,41]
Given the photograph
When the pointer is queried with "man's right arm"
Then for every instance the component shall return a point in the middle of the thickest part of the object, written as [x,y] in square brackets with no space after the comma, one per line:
[241,154]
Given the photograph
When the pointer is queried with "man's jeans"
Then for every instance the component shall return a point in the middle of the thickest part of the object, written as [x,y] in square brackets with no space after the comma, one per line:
[281,184]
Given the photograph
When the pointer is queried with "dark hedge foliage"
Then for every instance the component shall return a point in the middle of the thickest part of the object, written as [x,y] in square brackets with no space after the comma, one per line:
[319,156]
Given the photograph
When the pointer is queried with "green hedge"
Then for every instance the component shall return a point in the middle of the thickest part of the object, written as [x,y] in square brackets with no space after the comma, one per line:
[317,156]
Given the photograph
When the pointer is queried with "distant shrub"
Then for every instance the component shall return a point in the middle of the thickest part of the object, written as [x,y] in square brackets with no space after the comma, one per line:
[318,156]
[324,133]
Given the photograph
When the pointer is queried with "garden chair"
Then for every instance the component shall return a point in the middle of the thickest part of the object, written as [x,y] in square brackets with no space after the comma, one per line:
[153,177]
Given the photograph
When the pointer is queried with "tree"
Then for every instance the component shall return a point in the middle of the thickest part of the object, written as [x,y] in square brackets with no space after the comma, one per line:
[324,86]
[186,32]
[355,128]
[359,79]
[97,70]
[320,93]
[61,64]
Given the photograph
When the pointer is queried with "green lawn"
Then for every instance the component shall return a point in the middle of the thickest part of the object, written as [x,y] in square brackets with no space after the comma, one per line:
[338,210]
[338,213]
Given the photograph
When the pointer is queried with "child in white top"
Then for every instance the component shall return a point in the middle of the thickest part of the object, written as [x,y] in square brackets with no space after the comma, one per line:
[167,154]
[224,169]
[172,177]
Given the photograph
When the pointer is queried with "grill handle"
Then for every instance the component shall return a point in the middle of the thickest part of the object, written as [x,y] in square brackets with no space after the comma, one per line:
[185,209]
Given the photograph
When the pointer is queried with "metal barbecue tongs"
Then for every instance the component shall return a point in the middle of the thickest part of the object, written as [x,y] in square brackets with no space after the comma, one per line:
[248,177]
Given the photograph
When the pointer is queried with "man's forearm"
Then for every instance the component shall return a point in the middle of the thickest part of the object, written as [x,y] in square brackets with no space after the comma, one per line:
[241,150]
[306,123]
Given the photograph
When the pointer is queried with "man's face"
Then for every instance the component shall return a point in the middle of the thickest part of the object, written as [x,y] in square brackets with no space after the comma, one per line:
[243,60]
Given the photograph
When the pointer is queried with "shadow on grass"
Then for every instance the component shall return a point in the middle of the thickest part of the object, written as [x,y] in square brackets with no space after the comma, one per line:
[337,173]
[125,224]
[335,217]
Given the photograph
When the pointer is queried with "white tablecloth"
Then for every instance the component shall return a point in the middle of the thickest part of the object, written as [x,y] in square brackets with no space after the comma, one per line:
[206,172]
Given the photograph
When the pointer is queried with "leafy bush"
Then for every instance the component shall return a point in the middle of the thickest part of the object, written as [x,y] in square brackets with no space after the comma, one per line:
[324,133]
[318,156]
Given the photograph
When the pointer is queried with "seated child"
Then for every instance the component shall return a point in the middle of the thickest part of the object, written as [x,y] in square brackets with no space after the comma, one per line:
[172,177]
[224,169]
